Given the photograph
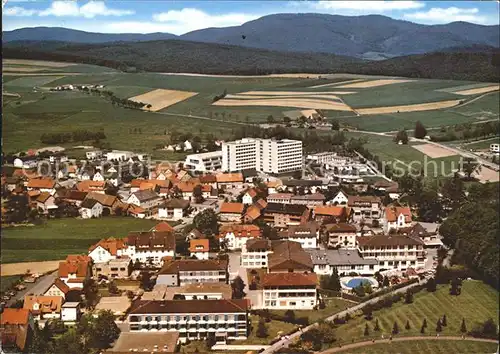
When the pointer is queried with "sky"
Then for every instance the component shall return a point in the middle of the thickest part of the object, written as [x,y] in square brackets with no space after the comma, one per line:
[179,17]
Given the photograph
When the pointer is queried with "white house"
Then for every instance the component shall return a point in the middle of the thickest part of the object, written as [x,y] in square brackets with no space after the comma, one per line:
[204,162]
[98,177]
[119,155]
[345,261]
[236,236]
[173,209]
[93,154]
[306,234]
[145,199]
[58,288]
[107,249]
[495,148]
[340,199]
[289,291]
[249,196]
[254,254]
[396,218]
[199,248]
[70,312]
[150,246]
[90,208]
[75,271]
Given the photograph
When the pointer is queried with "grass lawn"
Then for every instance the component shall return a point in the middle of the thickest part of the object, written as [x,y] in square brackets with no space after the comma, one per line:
[59,237]
[333,305]
[477,303]
[427,346]
[7,281]
[273,328]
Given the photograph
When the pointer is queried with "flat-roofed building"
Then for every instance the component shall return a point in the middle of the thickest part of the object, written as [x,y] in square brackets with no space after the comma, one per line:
[186,271]
[146,342]
[114,268]
[294,291]
[345,261]
[204,162]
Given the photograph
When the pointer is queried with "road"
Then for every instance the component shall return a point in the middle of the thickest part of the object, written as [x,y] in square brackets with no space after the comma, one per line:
[285,342]
[37,288]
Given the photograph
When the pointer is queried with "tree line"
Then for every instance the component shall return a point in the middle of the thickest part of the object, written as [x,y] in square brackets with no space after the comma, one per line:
[80,135]
[110,95]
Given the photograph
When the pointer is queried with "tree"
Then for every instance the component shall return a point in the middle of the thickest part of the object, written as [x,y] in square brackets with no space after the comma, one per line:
[395,328]
[332,282]
[286,120]
[402,136]
[335,125]
[407,327]
[487,329]
[422,329]
[39,342]
[112,288]
[198,194]
[105,330]
[270,119]
[439,326]
[469,165]
[17,208]
[359,290]
[443,321]
[69,342]
[453,192]
[262,329]
[377,326]
[408,296]
[90,292]
[431,285]
[238,287]
[455,286]
[424,324]
[463,327]
[367,330]
[386,282]
[420,131]
[146,281]
[206,222]
[289,316]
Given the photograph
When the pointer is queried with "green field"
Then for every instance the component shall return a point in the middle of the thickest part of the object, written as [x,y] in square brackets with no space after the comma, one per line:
[59,237]
[476,303]
[427,346]
[333,305]
[484,144]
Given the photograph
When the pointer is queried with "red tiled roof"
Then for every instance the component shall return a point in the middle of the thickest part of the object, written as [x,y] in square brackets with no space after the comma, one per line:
[208,179]
[112,245]
[261,203]
[289,279]
[232,208]
[74,264]
[41,183]
[61,285]
[330,210]
[340,227]
[251,192]
[392,213]
[89,186]
[240,230]
[43,197]
[48,304]
[163,226]
[229,177]
[14,316]
[201,245]
[252,212]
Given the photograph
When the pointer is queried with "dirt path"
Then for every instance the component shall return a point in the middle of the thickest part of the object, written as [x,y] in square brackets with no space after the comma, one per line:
[23,267]
[404,339]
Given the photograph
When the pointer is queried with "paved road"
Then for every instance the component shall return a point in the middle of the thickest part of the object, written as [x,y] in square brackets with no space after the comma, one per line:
[37,288]
[404,339]
[286,342]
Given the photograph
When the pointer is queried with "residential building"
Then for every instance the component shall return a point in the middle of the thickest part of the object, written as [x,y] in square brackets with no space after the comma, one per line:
[42,185]
[290,291]
[193,319]
[231,212]
[98,177]
[396,218]
[162,227]
[235,235]
[204,162]
[46,202]
[495,148]
[253,213]
[118,305]
[119,155]
[74,197]
[280,198]
[341,235]
[70,312]
[107,249]
[145,342]
[185,271]
[249,196]
[340,198]
[145,199]
[230,180]
[309,200]
[114,268]
[92,186]
[58,288]
[16,328]
[365,207]
[393,251]
[288,257]
[150,247]
[75,270]
[93,154]
[283,215]
[43,307]
[174,209]
[200,291]
[428,232]
[109,202]
[306,234]
[264,155]
[90,208]
[199,248]
[345,261]
[331,213]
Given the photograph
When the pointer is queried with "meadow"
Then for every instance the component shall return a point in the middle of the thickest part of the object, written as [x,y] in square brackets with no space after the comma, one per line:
[476,303]
[57,238]
[427,346]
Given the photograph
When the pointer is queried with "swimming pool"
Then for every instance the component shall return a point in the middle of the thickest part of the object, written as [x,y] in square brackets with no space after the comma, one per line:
[353,282]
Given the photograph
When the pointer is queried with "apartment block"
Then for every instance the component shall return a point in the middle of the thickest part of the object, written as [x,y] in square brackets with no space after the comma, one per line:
[294,291]
[265,155]
[114,268]
[345,261]
[204,162]
[186,271]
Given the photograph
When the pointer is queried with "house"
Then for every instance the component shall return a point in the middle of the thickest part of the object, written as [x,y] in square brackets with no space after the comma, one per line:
[193,319]
[137,212]
[117,268]
[92,186]
[280,198]
[331,213]
[145,199]
[273,185]
[93,154]
[174,209]
[231,212]
[290,291]
[208,180]
[42,184]
[90,208]
[43,307]
[98,177]
[58,288]
[234,236]
[310,200]
[396,218]
[190,189]
[117,305]
[107,249]
[203,162]
[70,312]
[162,227]
[199,248]
[75,270]
[119,155]
[74,197]
[230,180]
[249,196]
[306,234]
[288,257]
[146,342]
[11,183]
[393,251]
[109,202]
[254,254]
[185,271]
[345,261]
[150,246]
[428,232]
[340,198]
[195,234]
[252,213]
[16,329]
[46,202]
[283,215]
[365,207]
[341,235]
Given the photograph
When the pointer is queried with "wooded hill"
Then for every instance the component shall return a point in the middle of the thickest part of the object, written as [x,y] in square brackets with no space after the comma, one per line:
[208,58]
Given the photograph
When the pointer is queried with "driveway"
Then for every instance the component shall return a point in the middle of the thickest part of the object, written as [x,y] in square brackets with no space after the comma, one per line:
[38,288]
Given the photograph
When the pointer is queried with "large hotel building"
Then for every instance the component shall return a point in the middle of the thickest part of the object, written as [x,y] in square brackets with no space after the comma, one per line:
[265,155]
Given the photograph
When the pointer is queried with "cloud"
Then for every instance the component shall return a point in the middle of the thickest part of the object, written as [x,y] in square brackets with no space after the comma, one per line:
[189,19]
[69,9]
[18,11]
[357,7]
[446,15]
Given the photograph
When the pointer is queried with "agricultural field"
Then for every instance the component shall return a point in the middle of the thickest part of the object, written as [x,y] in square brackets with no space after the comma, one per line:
[51,240]
[476,303]
[481,145]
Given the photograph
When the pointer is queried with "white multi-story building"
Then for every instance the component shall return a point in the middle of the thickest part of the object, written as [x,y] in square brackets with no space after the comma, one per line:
[185,271]
[236,236]
[294,291]
[341,235]
[265,155]
[193,319]
[495,148]
[345,261]
[327,158]
[204,162]
[254,253]
[306,234]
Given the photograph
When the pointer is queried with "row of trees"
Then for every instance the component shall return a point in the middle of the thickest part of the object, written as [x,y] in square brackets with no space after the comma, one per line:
[75,136]
[123,102]
[467,131]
